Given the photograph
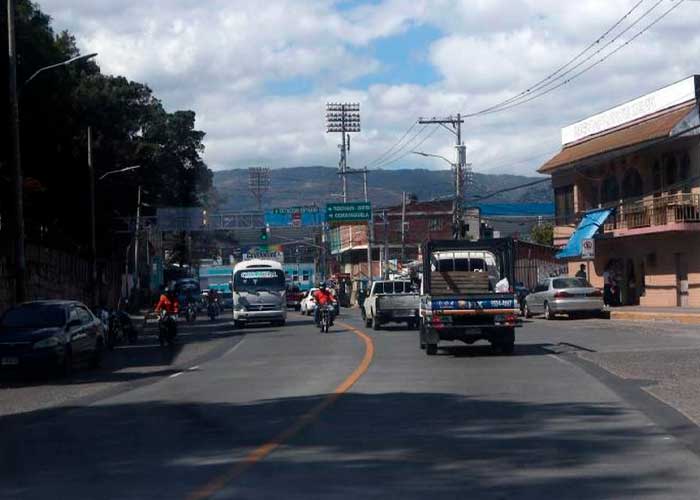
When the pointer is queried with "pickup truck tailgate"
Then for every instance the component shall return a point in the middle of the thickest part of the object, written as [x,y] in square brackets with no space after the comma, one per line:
[398,302]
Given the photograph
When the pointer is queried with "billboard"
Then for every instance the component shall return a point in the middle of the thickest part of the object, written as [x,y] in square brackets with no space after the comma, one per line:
[267,252]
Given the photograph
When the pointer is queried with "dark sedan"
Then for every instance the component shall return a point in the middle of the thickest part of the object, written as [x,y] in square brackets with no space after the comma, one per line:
[53,334]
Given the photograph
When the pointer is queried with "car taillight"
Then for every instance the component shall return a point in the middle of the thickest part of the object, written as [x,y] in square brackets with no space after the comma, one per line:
[562,295]
[596,293]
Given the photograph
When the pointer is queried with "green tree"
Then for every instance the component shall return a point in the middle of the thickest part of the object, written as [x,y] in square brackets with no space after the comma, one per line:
[542,234]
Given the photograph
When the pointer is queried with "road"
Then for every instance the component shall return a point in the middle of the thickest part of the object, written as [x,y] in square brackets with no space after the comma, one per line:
[289,413]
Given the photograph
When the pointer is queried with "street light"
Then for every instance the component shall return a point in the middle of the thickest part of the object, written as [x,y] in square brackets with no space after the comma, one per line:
[64,63]
[125,169]
[429,155]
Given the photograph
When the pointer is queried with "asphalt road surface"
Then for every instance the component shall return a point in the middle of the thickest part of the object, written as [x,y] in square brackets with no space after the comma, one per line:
[291,413]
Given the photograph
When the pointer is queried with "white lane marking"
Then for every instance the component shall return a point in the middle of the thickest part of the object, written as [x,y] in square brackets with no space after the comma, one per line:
[175,375]
[192,368]
[233,349]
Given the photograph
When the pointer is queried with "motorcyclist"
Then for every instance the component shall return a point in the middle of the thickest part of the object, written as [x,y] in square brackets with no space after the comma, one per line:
[213,300]
[322,297]
[168,302]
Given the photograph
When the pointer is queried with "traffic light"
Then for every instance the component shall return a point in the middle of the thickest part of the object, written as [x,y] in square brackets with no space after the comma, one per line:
[265,233]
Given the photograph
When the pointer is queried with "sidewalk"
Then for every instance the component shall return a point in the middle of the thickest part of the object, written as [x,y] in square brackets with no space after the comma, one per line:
[685,315]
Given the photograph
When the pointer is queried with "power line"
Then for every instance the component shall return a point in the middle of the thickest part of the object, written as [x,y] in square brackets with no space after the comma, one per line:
[388,151]
[513,188]
[594,64]
[410,149]
[544,81]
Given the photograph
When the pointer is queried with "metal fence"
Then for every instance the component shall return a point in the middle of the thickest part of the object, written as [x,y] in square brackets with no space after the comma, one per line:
[659,211]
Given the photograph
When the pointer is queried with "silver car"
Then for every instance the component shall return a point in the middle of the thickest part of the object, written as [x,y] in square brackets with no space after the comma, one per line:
[564,295]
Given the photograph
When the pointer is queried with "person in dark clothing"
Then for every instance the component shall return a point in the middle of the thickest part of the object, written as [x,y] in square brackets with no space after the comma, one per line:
[582,272]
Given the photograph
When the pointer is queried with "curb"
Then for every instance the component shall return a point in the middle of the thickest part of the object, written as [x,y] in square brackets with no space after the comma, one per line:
[678,317]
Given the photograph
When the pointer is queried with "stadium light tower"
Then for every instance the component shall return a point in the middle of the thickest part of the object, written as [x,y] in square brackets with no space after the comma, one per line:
[343,118]
[259,183]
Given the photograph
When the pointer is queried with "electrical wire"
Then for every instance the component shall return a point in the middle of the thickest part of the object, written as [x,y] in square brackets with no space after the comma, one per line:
[410,144]
[386,153]
[545,80]
[592,65]
[404,155]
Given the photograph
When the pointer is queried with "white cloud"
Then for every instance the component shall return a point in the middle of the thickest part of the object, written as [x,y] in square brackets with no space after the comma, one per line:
[224,59]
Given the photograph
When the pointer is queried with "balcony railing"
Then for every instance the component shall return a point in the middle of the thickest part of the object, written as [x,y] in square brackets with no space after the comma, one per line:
[661,211]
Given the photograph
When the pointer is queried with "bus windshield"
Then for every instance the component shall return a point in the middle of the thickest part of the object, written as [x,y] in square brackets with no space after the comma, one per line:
[271,280]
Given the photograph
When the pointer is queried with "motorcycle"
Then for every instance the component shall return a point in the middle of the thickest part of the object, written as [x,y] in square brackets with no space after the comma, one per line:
[325,317]
[167,328]
[213,310]
[189,312]
[120,328]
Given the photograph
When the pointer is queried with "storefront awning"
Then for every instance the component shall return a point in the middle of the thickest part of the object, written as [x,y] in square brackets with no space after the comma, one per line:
[628,137]
[588,226]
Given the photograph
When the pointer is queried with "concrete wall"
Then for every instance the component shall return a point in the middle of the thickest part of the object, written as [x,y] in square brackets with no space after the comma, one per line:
[657,255]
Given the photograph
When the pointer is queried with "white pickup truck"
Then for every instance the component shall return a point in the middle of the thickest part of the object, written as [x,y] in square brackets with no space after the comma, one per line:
[392,302]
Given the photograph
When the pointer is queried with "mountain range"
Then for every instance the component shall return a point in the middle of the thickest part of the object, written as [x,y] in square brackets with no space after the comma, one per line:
[293,186]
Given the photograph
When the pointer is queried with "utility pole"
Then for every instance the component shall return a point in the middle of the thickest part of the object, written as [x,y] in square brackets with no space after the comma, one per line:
[20,263]
[403,227]
[385,274]
[370,230]
[460,172]
[343,118]
[137,280]
[93,237]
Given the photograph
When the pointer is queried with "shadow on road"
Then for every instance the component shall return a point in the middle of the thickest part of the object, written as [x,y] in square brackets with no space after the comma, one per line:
[145,358]
[389,445]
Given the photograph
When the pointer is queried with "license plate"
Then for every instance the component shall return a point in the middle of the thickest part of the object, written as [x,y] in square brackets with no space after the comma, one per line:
[9,361]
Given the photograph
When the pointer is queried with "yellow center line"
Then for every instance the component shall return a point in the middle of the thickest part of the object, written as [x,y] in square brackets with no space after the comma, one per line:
[219,482]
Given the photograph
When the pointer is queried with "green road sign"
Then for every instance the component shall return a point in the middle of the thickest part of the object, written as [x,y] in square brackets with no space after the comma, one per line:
[306,209]
[348,212]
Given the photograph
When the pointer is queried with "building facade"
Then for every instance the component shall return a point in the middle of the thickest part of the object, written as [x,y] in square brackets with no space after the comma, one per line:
[629,178]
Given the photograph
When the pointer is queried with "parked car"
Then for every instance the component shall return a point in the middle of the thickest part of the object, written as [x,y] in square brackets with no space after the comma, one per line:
[571,296]
[50,334]
[308,304]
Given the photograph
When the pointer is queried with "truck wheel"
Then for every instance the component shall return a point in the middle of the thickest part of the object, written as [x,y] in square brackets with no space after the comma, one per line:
[376,325]
[368,322]
[431,349]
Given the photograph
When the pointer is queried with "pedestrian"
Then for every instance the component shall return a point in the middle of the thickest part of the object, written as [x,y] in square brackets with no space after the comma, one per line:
[582,272]
[607,287]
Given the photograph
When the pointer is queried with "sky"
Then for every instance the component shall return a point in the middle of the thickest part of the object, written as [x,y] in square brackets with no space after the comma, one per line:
[259,73]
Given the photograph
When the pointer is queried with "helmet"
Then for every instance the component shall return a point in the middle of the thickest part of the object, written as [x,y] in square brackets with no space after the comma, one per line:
[322,285]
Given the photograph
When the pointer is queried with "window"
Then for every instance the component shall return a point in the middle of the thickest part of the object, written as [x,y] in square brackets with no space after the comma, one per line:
[656,178]
[436,224]
[632,184]
[564,205]
[560,283]
[670,170]
[684,171]
[85,316]
[610,191]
